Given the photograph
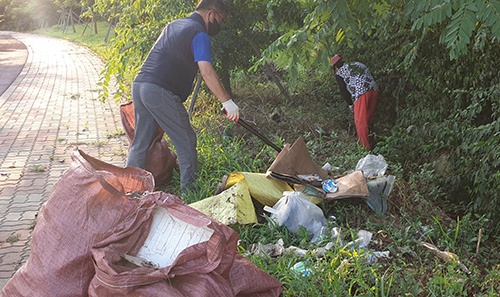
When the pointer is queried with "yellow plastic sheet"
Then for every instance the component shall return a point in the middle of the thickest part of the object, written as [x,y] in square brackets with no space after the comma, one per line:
[232,206]
[263,189]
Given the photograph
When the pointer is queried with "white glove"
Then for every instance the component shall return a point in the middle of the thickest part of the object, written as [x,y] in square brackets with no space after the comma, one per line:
[350,107]
[232,110]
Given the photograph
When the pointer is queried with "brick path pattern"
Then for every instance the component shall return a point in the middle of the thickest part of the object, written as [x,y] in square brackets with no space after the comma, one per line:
[49,106]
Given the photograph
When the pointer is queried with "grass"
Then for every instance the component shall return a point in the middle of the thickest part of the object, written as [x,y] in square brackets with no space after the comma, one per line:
[412,218]
[38,168]
[82,35]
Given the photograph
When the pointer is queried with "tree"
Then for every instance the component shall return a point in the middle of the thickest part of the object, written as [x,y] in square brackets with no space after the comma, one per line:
[16,15]
[331,23]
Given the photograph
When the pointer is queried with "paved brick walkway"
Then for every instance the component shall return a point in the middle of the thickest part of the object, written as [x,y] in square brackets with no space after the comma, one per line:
[48,108]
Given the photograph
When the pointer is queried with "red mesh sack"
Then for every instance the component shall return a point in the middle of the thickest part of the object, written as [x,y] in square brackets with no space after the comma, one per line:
[208,267]
[88,200]
[161,160]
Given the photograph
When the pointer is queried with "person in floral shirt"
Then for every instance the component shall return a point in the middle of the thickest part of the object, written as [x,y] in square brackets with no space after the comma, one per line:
[360,91]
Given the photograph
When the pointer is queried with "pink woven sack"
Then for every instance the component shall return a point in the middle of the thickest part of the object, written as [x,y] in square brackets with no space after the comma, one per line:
[210,267]
[161,160]
[89,199]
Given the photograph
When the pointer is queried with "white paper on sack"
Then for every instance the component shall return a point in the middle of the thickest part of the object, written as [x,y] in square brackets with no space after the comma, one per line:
[168,237]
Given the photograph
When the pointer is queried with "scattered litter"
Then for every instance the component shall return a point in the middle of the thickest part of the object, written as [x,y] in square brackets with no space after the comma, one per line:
[364,238]
[374,256]
[343,265]
[335,233]
[446,256]
[372,166]
[379,189]
[271,250]
[330,185]
[263,189]
[327,167]
[232,206]
[296,251]
[302,268]
[294,210]
[310,177]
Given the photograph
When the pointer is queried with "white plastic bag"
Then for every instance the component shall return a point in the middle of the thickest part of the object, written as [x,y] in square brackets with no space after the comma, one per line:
[294,210]
[372,166]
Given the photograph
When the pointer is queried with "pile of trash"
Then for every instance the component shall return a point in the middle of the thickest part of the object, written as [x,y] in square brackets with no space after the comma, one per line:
[294,181]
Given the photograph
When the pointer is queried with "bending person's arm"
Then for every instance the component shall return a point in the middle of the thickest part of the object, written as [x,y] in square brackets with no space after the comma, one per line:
[212,80]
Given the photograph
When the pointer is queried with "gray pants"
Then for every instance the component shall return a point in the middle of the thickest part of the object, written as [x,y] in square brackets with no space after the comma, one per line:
[155,106]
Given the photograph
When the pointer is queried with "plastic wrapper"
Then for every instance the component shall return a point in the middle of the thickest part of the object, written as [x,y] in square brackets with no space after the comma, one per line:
[294,210]
[372,166]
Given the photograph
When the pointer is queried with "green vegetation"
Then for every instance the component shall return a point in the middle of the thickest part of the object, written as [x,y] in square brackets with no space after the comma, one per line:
[12,238]
[38,168]
[437,125]
[83,35]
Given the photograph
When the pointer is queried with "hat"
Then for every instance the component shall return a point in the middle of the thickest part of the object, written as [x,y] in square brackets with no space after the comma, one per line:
[335,59]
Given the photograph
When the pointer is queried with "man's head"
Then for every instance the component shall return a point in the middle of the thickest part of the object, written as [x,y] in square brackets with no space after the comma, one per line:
[214,12]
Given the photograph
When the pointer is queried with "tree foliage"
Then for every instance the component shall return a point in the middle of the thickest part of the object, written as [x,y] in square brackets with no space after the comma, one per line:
[17,15]
[330,23]
[245,34]
[465,21]
[139,25]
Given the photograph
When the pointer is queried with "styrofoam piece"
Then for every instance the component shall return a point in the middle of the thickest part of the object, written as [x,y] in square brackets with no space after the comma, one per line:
[168,237]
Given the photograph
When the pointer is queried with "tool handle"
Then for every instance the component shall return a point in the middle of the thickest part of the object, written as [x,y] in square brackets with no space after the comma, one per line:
[245,125]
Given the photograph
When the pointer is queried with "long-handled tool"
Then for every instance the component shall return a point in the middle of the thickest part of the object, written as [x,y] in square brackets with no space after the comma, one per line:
[247,126]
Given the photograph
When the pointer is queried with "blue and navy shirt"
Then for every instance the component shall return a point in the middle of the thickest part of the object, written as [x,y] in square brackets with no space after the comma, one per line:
[172,61]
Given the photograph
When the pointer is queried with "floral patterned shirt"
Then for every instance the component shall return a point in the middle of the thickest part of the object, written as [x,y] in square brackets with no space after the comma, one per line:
[356,80]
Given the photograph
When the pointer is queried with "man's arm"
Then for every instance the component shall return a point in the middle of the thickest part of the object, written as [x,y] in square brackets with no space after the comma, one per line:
[201,52]
[343,90]
[212,80]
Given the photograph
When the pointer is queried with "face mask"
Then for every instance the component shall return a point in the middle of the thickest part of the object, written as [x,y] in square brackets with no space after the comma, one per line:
[213,28]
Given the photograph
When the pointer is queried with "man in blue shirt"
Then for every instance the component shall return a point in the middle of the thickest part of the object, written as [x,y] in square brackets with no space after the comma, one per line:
[166,80]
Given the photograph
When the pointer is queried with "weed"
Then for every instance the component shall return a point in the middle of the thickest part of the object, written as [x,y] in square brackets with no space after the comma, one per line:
[12,238]
[119,152]
[99,143]
[38,168]
[116,134]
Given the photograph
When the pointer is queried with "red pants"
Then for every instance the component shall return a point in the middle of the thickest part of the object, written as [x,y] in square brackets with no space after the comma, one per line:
[363,114]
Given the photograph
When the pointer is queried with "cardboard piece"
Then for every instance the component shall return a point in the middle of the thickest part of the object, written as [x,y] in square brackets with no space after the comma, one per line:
[352,185]
[295,160]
